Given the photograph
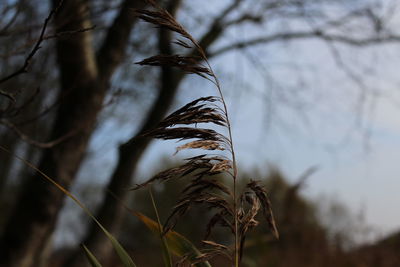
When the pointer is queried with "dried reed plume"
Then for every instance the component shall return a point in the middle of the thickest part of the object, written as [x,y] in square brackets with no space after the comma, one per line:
[233,211]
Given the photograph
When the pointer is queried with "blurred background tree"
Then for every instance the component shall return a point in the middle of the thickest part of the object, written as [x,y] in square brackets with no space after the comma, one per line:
[54,100]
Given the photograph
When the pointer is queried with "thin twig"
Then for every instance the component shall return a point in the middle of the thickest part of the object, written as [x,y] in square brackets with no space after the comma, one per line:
[30,141]
[64,33]
[36,47]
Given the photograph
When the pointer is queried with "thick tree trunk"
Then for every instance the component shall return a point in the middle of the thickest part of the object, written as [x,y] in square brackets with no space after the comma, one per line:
[32,221]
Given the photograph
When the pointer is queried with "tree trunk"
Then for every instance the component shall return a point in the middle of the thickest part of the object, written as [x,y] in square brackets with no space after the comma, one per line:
[33,219]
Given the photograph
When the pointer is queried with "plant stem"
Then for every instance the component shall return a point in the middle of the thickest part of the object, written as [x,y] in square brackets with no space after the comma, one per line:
[234,166]
[166,253]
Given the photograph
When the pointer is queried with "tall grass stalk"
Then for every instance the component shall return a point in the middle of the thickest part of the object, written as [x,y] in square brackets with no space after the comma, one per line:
[235,211]
[164,244]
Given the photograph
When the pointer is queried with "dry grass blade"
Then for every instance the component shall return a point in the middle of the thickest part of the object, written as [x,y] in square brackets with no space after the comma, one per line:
[185,203]
[201,110]
[261,194]
[176,172]
[207,145]
[200,185]
[189,64]
[216,249]
[210,255]
[182,43]
[222,166]
[189,260]
[194,116]
[219,218]
[206,99]
[162,18]
[183,133]
[247,219]
[218,165]
[215,245]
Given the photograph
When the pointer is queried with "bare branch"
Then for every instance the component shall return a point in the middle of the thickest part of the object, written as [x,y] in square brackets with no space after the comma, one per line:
[229,9]
[217,27]
[30,141]
[64,33]
[36,47]
[243,18]
[368,41]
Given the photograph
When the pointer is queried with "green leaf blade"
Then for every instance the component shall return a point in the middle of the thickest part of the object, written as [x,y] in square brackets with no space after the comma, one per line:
[91,258]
